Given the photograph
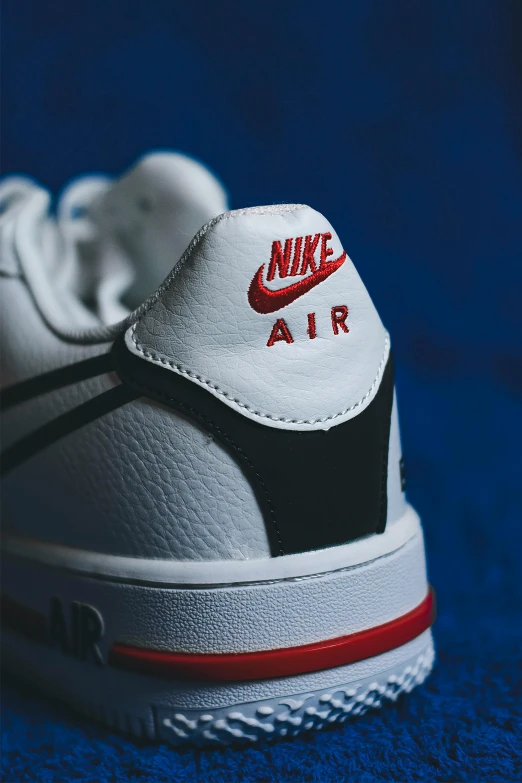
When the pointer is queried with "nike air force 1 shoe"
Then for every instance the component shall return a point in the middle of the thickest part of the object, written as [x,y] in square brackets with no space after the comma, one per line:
[206,537]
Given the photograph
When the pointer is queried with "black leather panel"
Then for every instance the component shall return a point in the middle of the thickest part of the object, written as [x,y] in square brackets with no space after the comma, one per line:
[316,489]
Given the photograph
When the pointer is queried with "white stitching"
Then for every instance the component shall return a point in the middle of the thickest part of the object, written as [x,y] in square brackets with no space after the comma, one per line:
[161,360]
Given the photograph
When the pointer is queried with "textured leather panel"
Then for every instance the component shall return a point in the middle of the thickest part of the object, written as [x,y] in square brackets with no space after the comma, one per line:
[141,481]
[337,475]
[193,573]
[23,419]
[203,327]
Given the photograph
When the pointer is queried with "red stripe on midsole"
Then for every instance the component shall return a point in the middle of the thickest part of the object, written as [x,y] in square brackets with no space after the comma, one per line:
[278,663]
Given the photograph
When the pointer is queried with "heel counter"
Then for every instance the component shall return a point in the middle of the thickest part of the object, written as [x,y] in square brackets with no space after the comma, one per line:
[266,334]
[139,481]
[316,488]
[266,312]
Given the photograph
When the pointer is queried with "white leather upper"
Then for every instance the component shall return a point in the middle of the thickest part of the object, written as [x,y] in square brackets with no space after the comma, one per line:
[202,326]
[140,481]
[143,481]
[28,346]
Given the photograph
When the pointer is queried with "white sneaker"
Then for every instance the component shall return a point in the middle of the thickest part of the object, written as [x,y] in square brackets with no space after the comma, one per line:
[206,537]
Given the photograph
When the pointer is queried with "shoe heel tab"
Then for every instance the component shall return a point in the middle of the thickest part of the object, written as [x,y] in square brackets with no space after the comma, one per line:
[267,312]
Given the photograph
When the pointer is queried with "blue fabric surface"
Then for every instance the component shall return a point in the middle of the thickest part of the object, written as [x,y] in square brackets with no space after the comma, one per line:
[402,122]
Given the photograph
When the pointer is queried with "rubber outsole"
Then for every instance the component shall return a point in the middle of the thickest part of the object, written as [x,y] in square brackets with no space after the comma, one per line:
[223,718]
[288,717]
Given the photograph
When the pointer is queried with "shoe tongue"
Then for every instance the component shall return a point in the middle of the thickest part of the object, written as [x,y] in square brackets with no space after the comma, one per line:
[151,213]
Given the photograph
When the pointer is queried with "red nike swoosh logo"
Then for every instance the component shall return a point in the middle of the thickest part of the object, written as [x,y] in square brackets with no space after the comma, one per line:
[263,300]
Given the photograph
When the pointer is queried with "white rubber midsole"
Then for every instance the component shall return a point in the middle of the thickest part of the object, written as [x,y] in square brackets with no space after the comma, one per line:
[213,608]
[233,618]
[216,572]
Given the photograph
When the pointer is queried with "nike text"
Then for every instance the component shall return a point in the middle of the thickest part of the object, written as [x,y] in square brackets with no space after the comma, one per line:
[295,258]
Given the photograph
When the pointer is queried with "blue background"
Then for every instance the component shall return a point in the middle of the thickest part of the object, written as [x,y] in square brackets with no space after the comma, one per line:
[402,122]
